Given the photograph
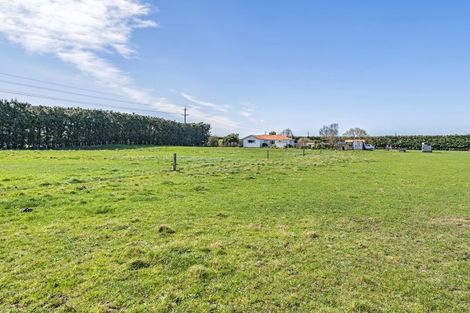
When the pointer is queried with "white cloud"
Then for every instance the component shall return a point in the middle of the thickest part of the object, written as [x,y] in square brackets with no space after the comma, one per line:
[247,110]
[79,32]
[68,25]
[218,107]
[246,113]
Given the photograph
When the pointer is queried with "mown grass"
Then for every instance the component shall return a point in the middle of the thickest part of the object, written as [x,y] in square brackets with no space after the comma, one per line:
[118,231]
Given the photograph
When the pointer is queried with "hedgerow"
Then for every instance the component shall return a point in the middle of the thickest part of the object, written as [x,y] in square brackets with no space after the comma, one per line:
[23,126]
[438,142]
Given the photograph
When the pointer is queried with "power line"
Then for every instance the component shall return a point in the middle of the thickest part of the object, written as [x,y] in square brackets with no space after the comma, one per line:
[56,84]
[67,92]
[81,102]
[72,93]
[185,114]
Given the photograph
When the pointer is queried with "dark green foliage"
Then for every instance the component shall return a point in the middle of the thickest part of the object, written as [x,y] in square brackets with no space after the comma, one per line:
[442,142]
[23,126]
[231,140]
[213,141]
[447,142]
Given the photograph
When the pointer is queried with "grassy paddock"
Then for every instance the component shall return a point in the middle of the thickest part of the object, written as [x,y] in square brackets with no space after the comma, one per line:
[330,231]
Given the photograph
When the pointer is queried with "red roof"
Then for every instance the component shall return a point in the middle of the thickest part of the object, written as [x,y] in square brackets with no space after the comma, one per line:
[273,137]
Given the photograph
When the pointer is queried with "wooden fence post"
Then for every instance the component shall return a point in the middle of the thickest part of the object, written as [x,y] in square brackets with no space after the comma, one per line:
[174,161]
[303,151]
[267,154]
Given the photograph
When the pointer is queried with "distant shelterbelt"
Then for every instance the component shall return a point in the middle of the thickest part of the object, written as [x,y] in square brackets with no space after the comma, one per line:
[23,126]
[412,142]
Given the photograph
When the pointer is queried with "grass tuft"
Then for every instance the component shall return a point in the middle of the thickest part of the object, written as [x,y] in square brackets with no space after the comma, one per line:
[138,264]
[312,235]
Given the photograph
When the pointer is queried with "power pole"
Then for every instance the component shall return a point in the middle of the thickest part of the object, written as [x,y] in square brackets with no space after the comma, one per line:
[185,114]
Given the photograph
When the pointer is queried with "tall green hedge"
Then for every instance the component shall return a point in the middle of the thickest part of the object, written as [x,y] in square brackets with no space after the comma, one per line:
[442,142]
[23,126]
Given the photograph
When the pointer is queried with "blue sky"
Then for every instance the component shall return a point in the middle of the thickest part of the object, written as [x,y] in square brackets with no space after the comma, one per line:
[252,66]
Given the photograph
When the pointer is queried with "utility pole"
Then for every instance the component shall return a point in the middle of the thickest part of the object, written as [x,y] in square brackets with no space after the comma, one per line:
[185,114]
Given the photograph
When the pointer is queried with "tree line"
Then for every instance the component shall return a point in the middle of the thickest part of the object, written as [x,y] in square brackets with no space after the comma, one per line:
[438,142]
[24,126]
[329,136]
[442,142]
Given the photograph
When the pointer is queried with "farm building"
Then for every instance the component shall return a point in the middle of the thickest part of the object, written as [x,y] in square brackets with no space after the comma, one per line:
[354,144]
[426,147]
[305,142]
[258,141]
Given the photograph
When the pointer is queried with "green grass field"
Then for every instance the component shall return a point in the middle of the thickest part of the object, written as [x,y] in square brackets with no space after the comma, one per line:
[329,232]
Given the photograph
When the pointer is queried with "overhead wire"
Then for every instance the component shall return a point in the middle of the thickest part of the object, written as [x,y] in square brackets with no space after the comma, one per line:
[56,84]
[67,92]
[109,107]
[104,106]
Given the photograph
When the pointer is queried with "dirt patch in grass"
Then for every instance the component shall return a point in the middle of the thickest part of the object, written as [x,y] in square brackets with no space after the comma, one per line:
[452,221]
[312,235]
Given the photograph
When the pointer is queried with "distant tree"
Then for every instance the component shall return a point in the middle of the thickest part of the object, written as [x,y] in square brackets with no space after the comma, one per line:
[272,132]
[213,141]
[231,140]
[330,132]
[356,132]
[287,132]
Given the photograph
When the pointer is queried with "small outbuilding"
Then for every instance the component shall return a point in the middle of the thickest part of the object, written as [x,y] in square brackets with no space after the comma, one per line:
[355,144]
[426,147]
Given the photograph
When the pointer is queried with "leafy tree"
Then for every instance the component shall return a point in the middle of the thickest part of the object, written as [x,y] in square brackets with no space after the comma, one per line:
[272,132]
[213,141]
[231,140]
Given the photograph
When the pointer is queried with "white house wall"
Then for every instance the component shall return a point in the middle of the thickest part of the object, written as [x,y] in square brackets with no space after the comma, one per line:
[283,143]
[256,144]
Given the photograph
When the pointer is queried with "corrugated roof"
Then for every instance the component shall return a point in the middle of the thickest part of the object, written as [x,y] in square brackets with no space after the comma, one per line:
[273,137]
[352,140]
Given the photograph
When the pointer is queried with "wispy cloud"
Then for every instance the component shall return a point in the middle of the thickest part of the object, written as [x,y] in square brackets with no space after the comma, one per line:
[80,32]
[215,106]
[246,112]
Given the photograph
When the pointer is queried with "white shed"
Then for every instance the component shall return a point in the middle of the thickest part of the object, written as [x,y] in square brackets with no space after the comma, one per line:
[426,147]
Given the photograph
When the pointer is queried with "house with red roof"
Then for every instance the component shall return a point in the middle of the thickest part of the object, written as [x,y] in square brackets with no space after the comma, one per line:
[258,141]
